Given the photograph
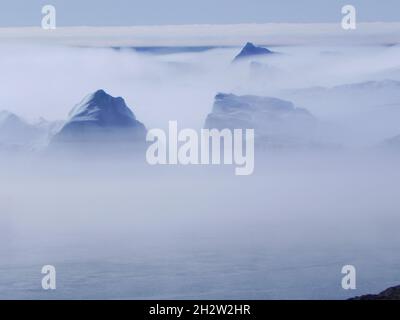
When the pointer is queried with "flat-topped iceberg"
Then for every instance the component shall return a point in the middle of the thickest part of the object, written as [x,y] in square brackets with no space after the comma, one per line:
[276,122]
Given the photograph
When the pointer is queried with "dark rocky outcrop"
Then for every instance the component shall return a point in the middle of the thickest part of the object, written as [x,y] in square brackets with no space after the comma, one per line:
[392,293]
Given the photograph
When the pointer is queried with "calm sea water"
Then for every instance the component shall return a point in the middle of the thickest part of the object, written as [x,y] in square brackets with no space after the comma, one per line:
[283,233]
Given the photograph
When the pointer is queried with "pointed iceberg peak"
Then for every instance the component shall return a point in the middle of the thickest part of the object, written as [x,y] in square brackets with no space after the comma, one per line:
[100,96]
[249,45]
[8,118]
[6,115]
[17,132]
[104,110]
[100,120]
[250,50]
[101,93]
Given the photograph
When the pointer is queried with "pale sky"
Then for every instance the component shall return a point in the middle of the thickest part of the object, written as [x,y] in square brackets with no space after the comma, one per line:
[14,13]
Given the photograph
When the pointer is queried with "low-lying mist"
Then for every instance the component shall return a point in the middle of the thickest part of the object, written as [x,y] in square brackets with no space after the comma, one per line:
[119,228]
[47,81]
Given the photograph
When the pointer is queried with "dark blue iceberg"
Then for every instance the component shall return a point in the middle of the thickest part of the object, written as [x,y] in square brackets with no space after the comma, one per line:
[250,50]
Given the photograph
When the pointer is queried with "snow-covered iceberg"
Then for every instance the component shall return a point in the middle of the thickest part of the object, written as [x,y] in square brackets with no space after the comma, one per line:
[250,50]
[101,121]
[276,122]
[18,134]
